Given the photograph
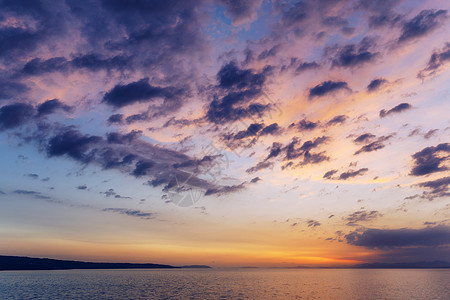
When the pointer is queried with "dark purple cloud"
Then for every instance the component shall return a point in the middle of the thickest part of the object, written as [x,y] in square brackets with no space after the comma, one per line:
[430,160]
[353,55]
[405,237]
[11,88]
[255,180]
[436,188]
[225,189]
[364,138]
[372,146]
[304,66]
[50,106]
[397,109]
[138,91]
[252,130]
[337,120]
[118,138]
[236,89]
[327,87]
[260,166]
[329,174]
[73,144]
[116,118]
[439,58]
[304,125]
[272,129]
[15,115]
[240,10]
[130,212]
[351,173]
[362,216]
[422,24]
[313,223]
[376,84]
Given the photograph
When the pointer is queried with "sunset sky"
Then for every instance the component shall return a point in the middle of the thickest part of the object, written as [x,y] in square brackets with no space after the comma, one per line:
[225,133]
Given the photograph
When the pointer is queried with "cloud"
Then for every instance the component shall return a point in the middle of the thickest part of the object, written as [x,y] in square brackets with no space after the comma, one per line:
[329,174]
[362,216]
[422,24]
[241,11]
[351,173]
[335,21]
[292,151]
[260,166]
[130,212]
[430,133]
[438,188]
[381,12]
[118,138]
[15,115]
[397,109]
[138,91]
[40,22]
[116,118]
[304,125]
[50,106]
[255,180]
[327,87]
[373,146]
[313,223]
[313,158]
[252,130]
[295,15]
[272,129]
[275,150]
[143,168]
[236,88]
[32,175]
[180,123]
[438,59]
[353,55]
[364,138]
[404,237]
[305,66]
[295,150]
[25,192]
[272,52]
[96,62]
[376,84]
[92,62]
[11,88]
[231,76]
[370,147]
[337,120]
[73,144]
[38,66]
[224,189]
[430,160]
[133,156]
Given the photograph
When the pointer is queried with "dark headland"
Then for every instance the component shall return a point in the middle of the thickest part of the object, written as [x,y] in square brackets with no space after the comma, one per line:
[11,263]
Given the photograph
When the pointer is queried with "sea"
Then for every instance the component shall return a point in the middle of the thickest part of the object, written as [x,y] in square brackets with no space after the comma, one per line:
[227,284]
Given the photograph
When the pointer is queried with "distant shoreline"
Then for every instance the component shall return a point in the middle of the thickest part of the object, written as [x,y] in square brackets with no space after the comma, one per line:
[23,263]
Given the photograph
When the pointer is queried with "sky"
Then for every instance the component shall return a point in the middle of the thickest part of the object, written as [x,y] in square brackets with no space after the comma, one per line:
[226,133]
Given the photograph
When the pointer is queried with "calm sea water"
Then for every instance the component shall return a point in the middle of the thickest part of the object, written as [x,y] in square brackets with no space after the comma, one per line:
[226,284]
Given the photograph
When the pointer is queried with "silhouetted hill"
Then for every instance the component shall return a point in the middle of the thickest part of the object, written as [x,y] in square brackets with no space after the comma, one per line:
[28,263]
